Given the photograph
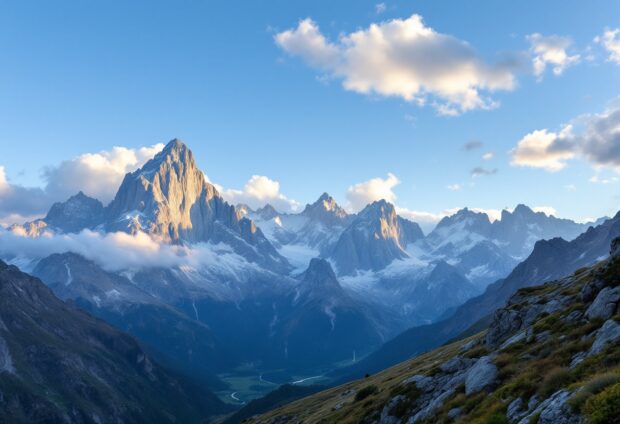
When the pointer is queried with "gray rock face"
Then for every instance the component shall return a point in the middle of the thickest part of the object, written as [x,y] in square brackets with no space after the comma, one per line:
[376,237]
[554,410]
[386,418]
[608,333]
[482,375]
[615,247]
[77,213]
[6,361]
[591,289]
[605,305]
[456,364]
[508,321]
[516,409]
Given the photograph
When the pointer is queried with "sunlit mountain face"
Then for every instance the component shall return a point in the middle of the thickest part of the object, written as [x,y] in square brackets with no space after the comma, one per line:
[405,211]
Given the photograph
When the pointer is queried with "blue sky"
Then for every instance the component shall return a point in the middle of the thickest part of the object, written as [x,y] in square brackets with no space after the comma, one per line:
[80,77]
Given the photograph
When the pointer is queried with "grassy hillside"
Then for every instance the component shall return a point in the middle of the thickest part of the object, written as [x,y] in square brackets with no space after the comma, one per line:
[551,355]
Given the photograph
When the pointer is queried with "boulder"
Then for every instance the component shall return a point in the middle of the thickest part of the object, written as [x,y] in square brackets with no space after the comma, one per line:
[591,289]
[455,364]
[554,410]
[605,305]
[422,382]
[608,333]
[480,376]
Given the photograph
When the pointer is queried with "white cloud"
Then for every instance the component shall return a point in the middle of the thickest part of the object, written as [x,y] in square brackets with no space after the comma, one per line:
[488,155]
[551,50]
[454,187]
[120,251]
[538,149]
[403,58]
[96,174]
[594,137]
[547,210]
[259,191]
[380,8]
[361,194]
[596,179]
[611,42]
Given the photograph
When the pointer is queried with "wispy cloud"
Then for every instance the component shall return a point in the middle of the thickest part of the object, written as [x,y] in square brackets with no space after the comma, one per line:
[551,51]
[480,171]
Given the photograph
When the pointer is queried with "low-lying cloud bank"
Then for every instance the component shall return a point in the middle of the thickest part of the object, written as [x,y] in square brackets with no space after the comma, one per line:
[119,251]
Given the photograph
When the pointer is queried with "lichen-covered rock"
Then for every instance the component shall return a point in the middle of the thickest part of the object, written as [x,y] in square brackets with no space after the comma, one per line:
[591,289]
[516,409]
[606,303]
[554,410]
[422,382]
[608,333]
[455,364]
[386,418]
[482,375]
[454,413]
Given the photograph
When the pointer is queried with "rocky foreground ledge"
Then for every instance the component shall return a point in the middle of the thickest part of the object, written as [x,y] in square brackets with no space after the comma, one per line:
[550,356]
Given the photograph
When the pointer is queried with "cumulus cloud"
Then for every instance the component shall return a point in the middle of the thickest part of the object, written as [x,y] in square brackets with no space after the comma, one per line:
[480,171]
[543,149]
[96,174]
[361,194]
[380,8]
[610,40]
[403,58]
[551,50]
[119,251]
[594,137]
[454,187]
[258,192]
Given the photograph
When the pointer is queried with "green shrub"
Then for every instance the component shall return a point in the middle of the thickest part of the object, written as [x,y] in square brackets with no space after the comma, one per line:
[534,418]
[554,380]
[365,392]
[603,408]
[497,418]
[594,386]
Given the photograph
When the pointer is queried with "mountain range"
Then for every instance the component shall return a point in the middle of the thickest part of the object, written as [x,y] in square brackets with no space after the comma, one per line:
[306,292]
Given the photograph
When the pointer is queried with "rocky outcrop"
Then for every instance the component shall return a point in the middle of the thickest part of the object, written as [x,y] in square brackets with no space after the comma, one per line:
[554,410]
[482,375]
[605,304]
[608,333]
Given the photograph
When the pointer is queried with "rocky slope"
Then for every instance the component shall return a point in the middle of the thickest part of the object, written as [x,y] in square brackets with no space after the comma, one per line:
[550,355]
[58,364]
